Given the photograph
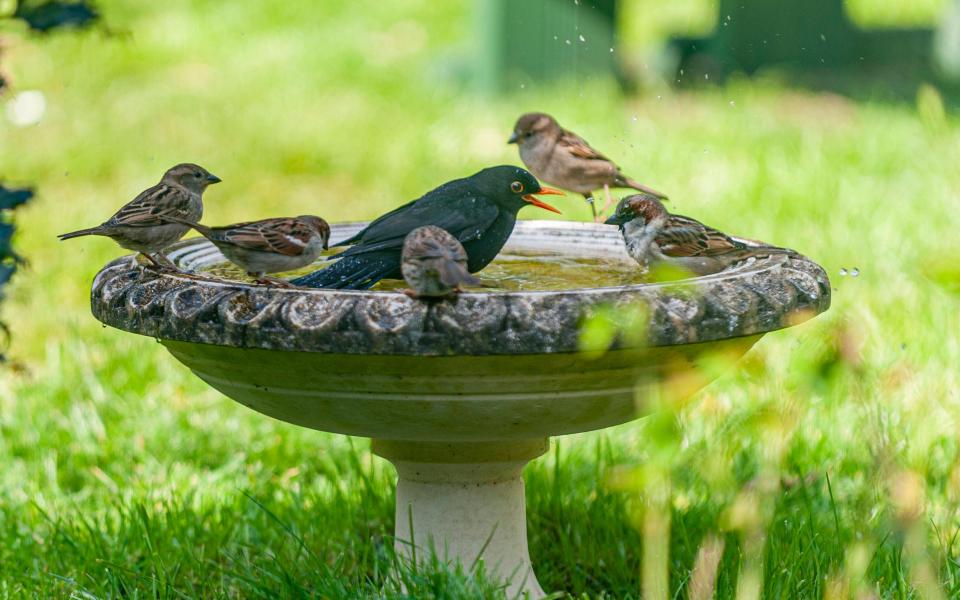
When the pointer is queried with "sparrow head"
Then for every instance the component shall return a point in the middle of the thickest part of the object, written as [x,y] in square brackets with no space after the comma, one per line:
[513,187]
[317,225]
[643,206]
[190,176]
[533,126]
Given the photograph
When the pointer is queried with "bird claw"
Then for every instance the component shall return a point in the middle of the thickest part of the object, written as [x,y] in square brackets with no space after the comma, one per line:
[274,282]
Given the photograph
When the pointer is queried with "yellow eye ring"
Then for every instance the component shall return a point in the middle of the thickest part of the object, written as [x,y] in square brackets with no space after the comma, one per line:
[516,187]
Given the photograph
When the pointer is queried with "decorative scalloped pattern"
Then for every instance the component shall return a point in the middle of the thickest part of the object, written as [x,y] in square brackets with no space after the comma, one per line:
[761,296]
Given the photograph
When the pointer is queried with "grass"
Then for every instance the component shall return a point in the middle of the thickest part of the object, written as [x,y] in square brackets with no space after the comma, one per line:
[826,464]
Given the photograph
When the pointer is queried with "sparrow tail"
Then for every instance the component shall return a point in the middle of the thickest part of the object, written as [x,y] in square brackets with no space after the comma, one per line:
[453,274]
[623,181]
[201,229]
[82,232]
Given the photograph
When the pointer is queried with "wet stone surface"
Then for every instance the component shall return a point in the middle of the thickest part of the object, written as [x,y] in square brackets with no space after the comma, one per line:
[751,298]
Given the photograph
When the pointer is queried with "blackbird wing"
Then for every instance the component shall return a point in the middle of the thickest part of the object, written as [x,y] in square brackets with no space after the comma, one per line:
[466,218]
[683,236]
[151,205]
[279,236]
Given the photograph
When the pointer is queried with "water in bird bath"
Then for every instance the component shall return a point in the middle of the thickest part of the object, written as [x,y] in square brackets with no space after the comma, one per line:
[508,273]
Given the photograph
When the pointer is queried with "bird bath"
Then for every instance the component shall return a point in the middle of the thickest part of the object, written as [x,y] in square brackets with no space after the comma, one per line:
[459,396]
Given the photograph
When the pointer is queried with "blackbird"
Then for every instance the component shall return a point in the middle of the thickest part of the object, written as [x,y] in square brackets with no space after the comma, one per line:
[479,211]
[564,159]
[654,236]
[434,263]
[141,224]
[269,245]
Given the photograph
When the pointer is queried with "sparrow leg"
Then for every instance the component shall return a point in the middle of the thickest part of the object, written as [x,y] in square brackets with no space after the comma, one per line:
[593,209]
[410,293]
[161,263]
[606,204]
[263,279]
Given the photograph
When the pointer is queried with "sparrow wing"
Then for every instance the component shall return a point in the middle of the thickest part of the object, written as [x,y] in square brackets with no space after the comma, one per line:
[149,208]
[579,147]
[683,236]
[278,236]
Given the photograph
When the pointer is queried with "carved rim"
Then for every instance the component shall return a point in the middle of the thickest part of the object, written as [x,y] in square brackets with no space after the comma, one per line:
[753,297]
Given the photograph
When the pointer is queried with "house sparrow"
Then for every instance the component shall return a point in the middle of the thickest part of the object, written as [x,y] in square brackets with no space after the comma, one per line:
[564,159]
[141,224]
[479,211]
[434,263]
[269,245]
[653,236]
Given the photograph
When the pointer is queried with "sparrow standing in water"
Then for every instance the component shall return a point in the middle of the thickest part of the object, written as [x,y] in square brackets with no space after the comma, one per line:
[564,159]
[479,211]
[654,236]
[269,245]
[434,263]
[141,224]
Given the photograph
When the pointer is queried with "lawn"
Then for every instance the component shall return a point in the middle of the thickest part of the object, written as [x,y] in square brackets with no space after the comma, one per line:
[826,464]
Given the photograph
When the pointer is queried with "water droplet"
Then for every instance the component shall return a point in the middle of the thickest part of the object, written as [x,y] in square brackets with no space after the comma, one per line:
[659,97]
[611,49]
[568,42]
[732,103]
[706,75]
[681,71]
[582,39]
[823,37]
[854,272]
[843,272]
[728,17]
[523,85]
[555,37]
[633,118]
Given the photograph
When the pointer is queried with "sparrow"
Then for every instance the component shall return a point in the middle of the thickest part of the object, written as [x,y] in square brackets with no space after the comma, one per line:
[564,159]
[434,263]
[142,224]
[654,236]
[479,211]
[269,245]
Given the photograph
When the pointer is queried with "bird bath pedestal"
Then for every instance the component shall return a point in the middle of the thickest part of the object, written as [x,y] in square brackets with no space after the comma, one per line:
[459,396]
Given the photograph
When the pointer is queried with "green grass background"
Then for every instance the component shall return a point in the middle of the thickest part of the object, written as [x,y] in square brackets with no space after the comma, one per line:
[826,463]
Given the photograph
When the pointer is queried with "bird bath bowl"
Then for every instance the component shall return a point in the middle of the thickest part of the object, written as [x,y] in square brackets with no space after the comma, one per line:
[461,395]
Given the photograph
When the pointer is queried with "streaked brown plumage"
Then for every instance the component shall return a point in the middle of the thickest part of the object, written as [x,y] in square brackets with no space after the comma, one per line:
[434,263]
[654,236]
[269,245]
[562,158]
[142,225]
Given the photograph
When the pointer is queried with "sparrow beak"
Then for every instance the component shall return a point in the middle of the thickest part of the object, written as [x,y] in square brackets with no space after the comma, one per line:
[211,179]
[513,138]
[617,220]
[546,191]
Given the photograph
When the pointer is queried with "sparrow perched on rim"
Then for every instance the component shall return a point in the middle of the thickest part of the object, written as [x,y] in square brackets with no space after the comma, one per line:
[564,159]
[654,236]
[142,224]
[434,263]
[268,245]
[479,211]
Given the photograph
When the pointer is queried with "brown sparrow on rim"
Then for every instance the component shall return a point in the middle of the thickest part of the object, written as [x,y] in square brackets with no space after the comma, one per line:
[434,263]
[654,236]
[269,245]
[142,223]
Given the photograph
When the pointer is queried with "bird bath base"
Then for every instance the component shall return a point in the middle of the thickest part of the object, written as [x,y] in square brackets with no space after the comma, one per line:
[466,503]
[459,396]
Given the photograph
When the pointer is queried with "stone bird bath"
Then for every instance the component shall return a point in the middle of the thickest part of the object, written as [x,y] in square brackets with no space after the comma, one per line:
[458,396]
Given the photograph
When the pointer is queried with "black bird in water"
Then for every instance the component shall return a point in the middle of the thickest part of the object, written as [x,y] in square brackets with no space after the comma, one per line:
[479,211]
